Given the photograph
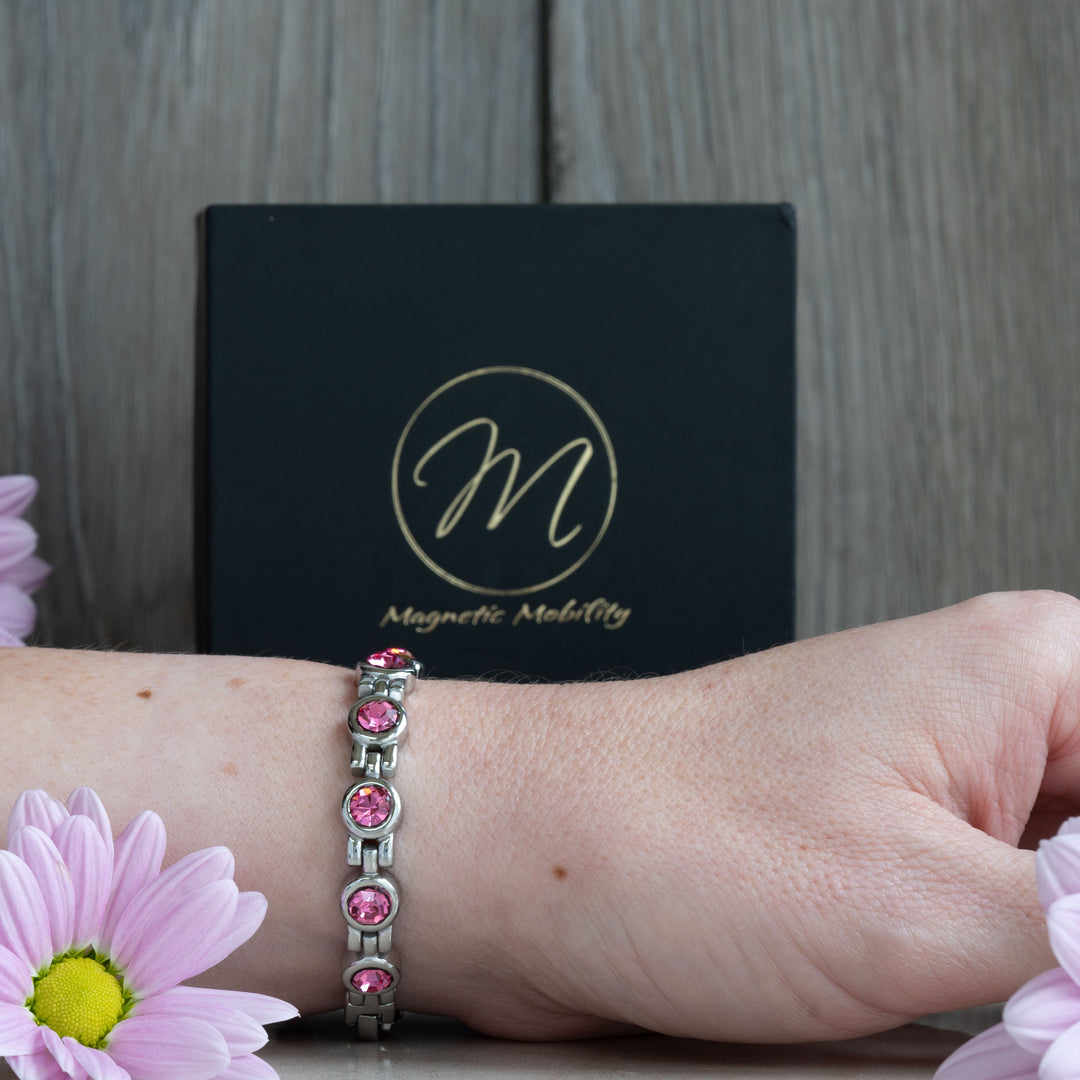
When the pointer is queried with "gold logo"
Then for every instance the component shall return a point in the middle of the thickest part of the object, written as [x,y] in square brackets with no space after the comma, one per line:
[504,481]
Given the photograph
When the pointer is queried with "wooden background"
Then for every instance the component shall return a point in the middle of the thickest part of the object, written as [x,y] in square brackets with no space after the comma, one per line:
[932,148]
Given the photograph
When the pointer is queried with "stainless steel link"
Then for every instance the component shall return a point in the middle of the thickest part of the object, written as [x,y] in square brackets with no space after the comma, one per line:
[371,810]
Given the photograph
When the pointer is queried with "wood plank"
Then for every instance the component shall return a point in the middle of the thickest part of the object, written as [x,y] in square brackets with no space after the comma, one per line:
[932,149]
[119,122]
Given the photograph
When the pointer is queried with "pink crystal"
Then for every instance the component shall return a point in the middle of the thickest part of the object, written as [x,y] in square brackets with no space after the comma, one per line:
[369,907]
[370,806]
[395,657]
[377,716]
[372,980]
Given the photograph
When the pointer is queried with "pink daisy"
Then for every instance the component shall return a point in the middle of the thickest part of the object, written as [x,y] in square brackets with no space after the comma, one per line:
[95,939]
[21,571]
[1039,1037]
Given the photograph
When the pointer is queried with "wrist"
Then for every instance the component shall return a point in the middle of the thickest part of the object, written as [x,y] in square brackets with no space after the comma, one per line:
[505,830]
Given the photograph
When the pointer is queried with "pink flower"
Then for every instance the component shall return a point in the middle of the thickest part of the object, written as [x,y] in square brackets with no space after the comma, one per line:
[95,938]
[1039,1038]
[21,572]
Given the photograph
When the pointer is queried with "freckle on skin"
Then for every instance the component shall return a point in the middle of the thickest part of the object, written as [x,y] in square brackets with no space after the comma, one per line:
[145,694]
[237,681]
[229,768]
[560,872]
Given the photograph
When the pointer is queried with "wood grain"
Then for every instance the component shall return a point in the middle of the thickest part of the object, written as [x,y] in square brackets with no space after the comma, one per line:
[119,121]
[932,150]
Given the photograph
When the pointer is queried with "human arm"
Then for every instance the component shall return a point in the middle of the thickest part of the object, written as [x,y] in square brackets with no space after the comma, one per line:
[811,842]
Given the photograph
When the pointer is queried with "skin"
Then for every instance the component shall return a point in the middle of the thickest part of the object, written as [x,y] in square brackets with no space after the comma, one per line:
[813,842]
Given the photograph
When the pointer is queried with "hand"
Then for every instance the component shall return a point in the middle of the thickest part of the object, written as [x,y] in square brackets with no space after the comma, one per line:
[807,843]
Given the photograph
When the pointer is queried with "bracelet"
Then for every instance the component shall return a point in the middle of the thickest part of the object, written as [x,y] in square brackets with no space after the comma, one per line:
[371,810]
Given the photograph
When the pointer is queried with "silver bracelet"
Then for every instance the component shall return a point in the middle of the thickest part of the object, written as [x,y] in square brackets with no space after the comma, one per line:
[371,810]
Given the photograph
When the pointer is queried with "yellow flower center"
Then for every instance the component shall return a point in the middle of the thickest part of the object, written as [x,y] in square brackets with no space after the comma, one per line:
[80,997]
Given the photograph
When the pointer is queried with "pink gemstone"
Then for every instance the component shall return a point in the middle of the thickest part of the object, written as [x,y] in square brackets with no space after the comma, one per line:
[394,657]
[377,716]
[372,980]
[370,806]
[369,907]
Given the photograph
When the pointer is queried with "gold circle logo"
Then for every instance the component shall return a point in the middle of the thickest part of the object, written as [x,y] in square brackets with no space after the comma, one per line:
[504,481]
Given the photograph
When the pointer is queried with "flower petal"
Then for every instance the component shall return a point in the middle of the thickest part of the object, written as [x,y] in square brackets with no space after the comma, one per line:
[8,640]
[16,979]
[1042,1010]
[16,494]
[991,1055]
[1063,926]
[260,1007]
[84,801]
[185,875]
[29,574]
[18,612]
[95,1063]
[39,1066]
[1060,1061]
[17,542]
[243,1034]
[19,1034]
[162,944]
[250,912]
[61,1054]
[1057,868]
[248,1067]
[24,922]
[158,1049]
[190,873]
[83,850]
[54,879]
[136,861]
[38,808]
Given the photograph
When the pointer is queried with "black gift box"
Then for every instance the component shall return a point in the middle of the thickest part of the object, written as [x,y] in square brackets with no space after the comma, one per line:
[550,440]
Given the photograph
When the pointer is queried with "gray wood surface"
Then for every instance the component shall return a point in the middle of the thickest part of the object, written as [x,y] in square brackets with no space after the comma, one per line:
[424,1047]
[119,121]
[932,148]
